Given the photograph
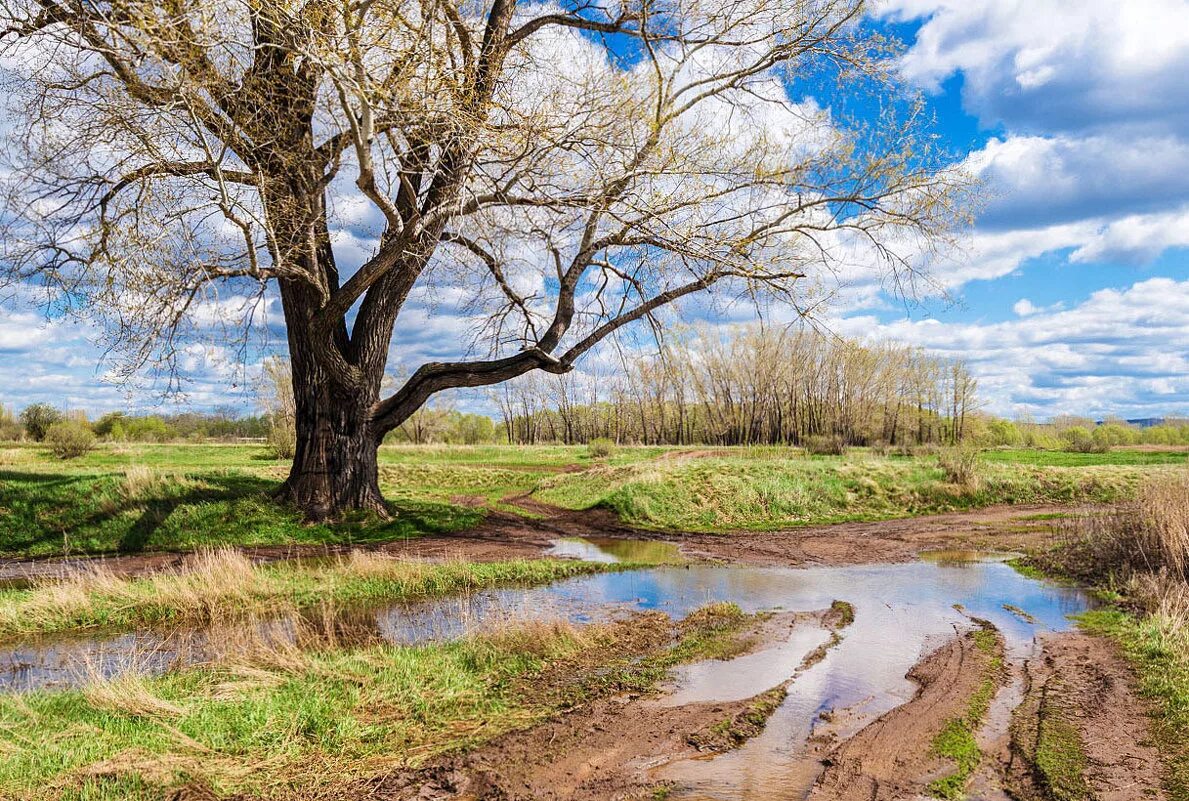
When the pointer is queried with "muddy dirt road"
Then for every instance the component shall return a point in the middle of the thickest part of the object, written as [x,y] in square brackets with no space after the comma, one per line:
[737,731]
[504,535]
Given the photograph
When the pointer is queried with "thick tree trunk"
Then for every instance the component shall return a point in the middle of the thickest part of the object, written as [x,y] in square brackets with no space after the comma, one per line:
[334,469]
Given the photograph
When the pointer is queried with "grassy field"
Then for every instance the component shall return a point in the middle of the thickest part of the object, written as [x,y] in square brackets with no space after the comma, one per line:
[128,498]
[281,721]
[770,492]
[1067,459]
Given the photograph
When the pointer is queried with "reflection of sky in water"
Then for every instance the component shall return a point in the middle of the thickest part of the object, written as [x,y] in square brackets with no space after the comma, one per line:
[903,611]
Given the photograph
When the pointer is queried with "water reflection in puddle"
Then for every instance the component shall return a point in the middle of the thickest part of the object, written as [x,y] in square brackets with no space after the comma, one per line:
[902,612]
[608,550]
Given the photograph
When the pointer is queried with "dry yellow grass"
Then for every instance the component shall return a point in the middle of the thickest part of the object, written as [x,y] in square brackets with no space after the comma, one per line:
[1164,507]
[129,694]
[212,584]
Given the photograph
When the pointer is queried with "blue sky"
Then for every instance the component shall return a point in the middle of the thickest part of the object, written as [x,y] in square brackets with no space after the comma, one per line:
[1072,295]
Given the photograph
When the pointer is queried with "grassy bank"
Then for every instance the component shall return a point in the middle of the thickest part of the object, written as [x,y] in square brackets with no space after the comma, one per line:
[1138,557]
[769,492]
[224,585]
[284,722]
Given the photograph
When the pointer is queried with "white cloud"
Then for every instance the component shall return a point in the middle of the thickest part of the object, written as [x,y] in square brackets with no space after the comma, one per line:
[1122,350]
[1052,65]
[1136,238]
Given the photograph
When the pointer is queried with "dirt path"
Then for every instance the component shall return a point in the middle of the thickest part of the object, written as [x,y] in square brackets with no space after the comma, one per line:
[892,758]
[603,749]
[612,747]
[504,535]
[1081,731]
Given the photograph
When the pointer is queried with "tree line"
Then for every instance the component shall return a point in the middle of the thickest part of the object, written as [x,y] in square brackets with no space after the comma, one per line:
[35,421]
[763,386]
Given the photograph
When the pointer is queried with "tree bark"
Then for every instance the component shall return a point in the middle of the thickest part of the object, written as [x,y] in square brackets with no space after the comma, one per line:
[335,466]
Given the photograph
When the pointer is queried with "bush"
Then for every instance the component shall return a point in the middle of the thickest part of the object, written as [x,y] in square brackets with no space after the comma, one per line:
[282,436]
[1081,440]
[69,440]
[600,448]
[960,466]
[38,418]
[821,445]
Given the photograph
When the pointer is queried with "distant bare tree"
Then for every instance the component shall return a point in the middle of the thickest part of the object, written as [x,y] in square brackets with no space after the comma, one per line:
[576,166]
[280,404]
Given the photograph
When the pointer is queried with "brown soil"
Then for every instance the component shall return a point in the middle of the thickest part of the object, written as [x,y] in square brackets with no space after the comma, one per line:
[503,535]
[891,758]
[599,750]
[1082,682]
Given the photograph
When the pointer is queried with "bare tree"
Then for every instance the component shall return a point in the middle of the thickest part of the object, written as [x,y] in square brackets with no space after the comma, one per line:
[574,166]
[280,404]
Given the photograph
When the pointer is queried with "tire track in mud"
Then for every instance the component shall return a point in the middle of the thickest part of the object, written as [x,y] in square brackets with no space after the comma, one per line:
[1080,731]
[894,756]
[607,748]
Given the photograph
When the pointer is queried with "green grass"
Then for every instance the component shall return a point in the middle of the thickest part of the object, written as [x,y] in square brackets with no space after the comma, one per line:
[956,740]
[211,494]
[306,724]
[766,492]
[1158,648]
[45,514]
[1061,760]
[1068,459]
[225,585]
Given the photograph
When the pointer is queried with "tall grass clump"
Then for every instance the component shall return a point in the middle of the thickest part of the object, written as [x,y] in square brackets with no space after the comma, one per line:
[141,482]
[1147,536]
[960,466]
[600,448]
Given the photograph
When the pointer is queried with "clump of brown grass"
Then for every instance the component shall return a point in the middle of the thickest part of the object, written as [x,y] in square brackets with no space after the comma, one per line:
[210,585]
[960,466]
[1149,536]
[1164,508]
[129,693]
[139,482]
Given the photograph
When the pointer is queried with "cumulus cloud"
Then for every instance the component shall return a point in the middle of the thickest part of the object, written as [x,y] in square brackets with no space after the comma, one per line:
[1053,66]
[1039,180]
[1121,350]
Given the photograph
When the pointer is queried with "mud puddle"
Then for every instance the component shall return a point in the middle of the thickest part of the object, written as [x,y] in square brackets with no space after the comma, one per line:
[611,550]
[903,611]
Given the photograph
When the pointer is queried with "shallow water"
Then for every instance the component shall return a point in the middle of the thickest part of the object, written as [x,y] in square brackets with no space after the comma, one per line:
[608,550]
[903,611]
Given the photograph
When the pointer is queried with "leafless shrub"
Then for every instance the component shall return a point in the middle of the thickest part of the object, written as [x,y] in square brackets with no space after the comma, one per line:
[960,466]
[825,445]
